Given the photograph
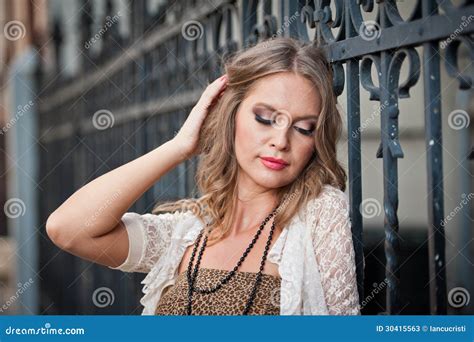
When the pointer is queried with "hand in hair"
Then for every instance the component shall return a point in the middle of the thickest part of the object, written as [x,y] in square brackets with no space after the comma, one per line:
[188,136]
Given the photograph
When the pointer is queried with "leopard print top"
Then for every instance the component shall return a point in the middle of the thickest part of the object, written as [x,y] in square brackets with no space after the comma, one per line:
[230,299]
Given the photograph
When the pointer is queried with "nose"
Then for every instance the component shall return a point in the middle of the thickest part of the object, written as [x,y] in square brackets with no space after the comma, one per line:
[280,138]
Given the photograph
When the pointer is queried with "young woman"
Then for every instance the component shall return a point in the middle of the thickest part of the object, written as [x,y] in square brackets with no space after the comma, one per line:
[271,232]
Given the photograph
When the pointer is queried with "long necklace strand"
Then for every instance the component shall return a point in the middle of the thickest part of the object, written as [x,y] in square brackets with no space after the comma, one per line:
[191,276]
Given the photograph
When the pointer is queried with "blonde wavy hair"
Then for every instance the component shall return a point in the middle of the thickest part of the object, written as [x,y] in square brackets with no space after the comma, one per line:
[217,169]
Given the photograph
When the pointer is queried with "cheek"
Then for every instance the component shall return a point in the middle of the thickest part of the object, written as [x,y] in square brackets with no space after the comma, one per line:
[248,138]
[307,149]
[243,148]
[303,152]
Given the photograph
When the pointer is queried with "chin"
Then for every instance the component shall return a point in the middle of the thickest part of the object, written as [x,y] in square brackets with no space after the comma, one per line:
[272,181]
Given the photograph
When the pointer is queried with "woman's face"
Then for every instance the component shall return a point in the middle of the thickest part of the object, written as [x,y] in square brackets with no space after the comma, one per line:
[277,120]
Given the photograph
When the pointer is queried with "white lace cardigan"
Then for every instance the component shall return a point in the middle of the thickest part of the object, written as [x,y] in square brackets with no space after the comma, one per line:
[314,254]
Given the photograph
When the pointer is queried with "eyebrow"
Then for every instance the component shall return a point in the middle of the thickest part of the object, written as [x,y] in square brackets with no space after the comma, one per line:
[302,117]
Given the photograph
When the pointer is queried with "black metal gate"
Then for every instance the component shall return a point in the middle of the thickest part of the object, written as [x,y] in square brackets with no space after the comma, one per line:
[135,93]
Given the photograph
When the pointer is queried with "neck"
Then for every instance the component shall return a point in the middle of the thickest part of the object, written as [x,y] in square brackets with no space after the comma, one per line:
[251,209]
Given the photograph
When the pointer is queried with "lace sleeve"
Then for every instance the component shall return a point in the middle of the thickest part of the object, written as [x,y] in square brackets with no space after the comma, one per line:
[332,241]
[148,235]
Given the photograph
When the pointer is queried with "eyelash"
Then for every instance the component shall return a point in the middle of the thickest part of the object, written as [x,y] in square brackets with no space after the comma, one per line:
[269,122]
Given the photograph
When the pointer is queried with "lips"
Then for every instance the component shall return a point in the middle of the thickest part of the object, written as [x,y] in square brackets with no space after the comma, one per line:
[275,160]
[274,163]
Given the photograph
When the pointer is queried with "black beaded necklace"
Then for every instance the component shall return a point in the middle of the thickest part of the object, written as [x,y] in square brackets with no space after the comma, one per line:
[191,277]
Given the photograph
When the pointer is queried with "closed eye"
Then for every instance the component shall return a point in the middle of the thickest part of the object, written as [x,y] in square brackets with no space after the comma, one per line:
[263,121]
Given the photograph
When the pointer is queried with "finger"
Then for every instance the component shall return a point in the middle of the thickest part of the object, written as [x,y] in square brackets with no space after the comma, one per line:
[216,86]
[219,79]
[211,92]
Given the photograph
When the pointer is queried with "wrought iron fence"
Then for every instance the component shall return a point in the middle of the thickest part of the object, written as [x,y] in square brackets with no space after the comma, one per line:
[136,92]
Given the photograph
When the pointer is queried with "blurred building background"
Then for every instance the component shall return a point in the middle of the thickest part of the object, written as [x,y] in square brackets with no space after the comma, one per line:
[23,43]
[86,86]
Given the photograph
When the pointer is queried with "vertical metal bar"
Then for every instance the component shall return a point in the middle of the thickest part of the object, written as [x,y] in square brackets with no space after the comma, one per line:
[354,151]
[463,266]
[390,185]
[283,8]
[355,174]
[248,20]
[434,160]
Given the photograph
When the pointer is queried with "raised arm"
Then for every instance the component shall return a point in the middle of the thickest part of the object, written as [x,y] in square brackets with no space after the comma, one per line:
[88,224]
[89,221]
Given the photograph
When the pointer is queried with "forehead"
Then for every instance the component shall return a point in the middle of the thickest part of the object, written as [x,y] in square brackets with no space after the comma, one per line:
[287,91]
